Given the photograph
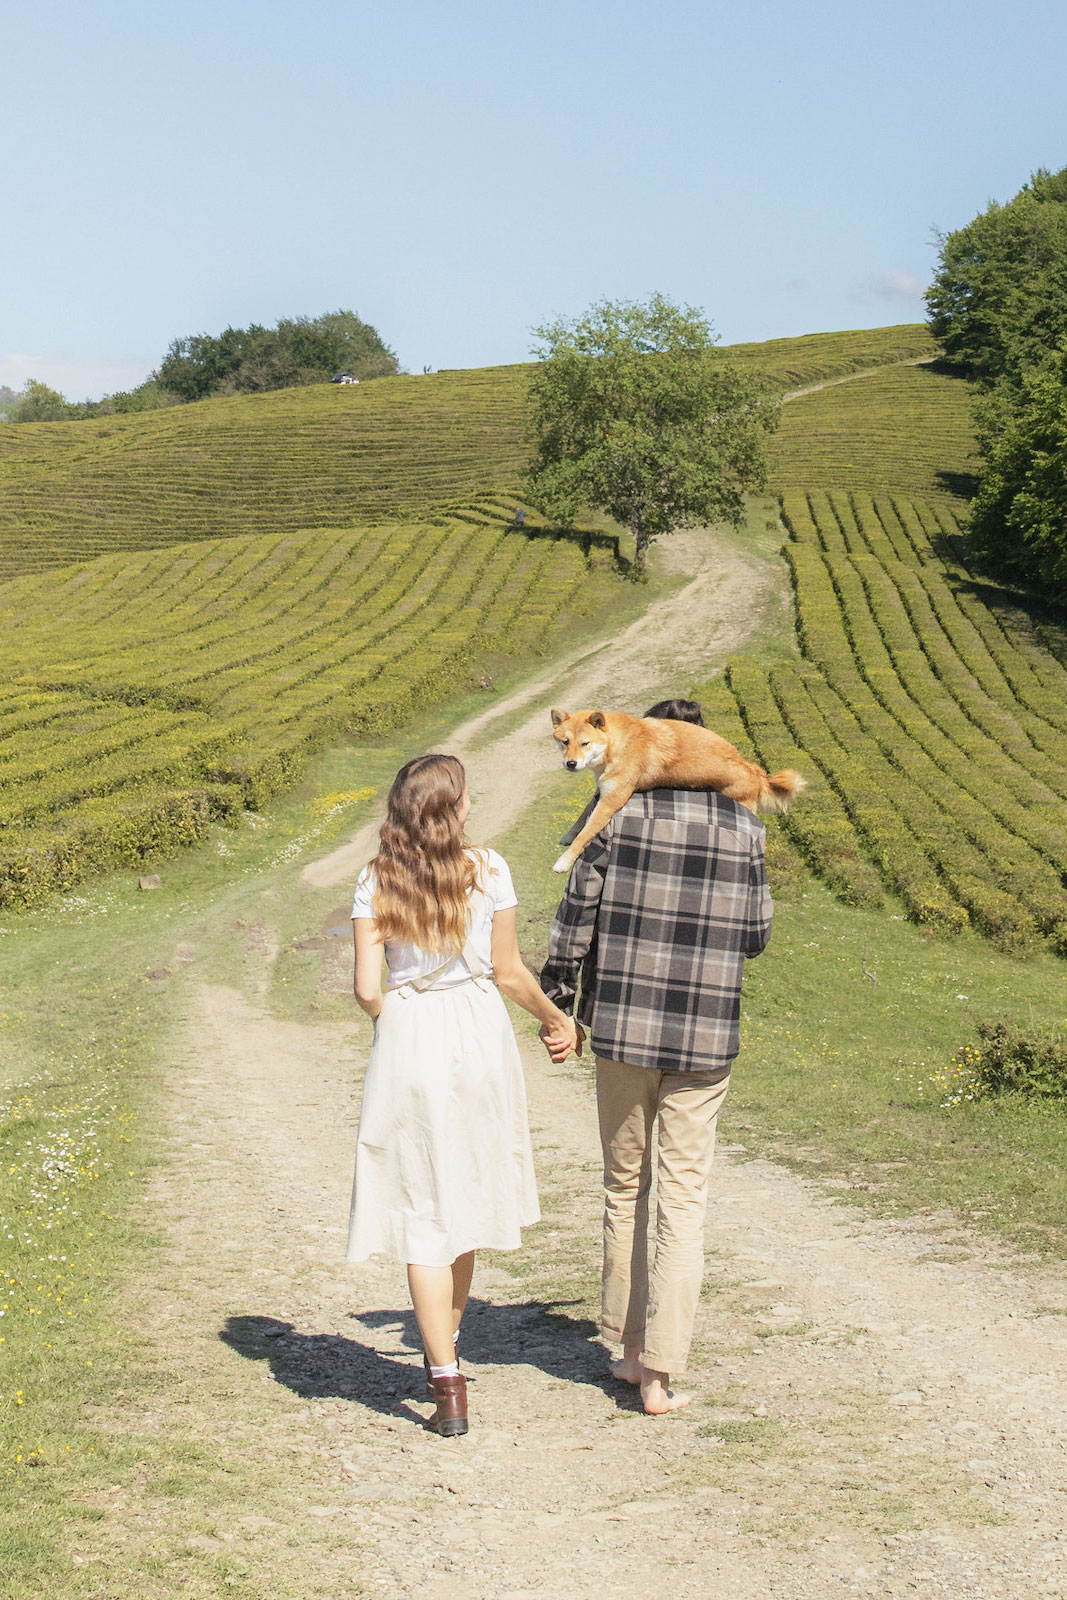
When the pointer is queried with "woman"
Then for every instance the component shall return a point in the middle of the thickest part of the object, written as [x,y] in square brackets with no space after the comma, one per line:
[443,1161]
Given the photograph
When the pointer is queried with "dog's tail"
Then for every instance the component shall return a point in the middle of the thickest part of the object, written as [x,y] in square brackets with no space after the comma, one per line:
[779,788]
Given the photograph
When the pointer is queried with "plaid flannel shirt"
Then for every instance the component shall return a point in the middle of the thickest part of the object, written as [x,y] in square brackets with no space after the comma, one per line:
[659,913]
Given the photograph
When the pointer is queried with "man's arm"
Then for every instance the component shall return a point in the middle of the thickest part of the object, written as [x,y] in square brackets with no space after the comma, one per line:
[574,925]
[760,908]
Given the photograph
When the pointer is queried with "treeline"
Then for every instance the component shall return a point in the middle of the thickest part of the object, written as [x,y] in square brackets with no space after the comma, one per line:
[299,350]
[999,307]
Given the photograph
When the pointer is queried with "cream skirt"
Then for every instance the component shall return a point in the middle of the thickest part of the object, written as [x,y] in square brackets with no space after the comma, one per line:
[443,1157]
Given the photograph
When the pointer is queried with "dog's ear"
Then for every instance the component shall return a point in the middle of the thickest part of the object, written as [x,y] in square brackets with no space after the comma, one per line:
[596,719]
[558,717]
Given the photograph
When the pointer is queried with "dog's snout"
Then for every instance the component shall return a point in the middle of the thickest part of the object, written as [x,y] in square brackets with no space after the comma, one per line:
[572,766]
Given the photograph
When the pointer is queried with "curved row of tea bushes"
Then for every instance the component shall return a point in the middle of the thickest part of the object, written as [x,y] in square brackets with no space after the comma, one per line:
[145,698]
[962,806]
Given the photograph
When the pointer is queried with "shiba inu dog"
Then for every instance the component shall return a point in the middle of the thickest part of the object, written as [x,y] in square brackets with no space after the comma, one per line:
[631,753]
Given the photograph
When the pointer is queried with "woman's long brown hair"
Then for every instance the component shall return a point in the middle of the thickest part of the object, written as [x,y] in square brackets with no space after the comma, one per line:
[423,870]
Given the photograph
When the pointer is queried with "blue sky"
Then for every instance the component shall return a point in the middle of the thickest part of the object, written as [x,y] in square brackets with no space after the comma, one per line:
[457,173]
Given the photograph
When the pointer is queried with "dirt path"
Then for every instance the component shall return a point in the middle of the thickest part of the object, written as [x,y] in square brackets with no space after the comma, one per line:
[880,1411]
[851,377]
[677,637]
[894,1419]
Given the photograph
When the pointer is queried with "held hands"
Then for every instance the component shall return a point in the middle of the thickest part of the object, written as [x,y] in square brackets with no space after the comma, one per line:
[562,1037]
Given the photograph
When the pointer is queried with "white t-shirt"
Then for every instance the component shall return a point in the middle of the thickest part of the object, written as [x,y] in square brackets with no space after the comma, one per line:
[406,961]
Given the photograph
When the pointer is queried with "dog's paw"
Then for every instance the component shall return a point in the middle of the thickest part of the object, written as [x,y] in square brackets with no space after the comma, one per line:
[563,864]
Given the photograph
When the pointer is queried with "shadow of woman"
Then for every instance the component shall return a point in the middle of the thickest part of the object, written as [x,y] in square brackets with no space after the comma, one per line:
[535,1333]
[317,1366]
[323,1366]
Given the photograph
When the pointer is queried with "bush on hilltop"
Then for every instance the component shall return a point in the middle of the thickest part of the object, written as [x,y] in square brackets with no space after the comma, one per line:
[250,360]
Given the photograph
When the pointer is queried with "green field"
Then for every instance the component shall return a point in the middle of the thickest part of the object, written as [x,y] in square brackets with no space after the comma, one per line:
[150,692]
[324,456]
[936,735]
[146,695]
[906,429]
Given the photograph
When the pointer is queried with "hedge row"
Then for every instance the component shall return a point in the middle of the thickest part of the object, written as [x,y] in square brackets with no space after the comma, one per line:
[818,824]
[971,850]
[225,666]
[983,802]
[869,790]
[106,833]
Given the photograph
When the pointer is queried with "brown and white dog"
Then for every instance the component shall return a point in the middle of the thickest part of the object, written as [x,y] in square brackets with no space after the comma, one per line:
[631,753]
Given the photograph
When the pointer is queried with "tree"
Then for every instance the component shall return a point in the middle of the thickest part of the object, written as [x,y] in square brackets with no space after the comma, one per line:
[8,400]
[1019,517]
[998,303]
[635,413]
[999,306]
[36,402]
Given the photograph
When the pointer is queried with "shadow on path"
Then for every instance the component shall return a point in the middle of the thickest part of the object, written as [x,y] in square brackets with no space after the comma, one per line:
[320,1366]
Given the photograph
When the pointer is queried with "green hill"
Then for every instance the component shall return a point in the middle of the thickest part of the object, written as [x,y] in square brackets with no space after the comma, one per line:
[150,690]
[324,456]
[905,428]
[146,694]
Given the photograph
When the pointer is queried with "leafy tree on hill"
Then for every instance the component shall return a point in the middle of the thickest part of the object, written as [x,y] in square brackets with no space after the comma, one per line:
[36,402]
[634,412]
[8,399]
[298,351]
[998,303]
[999,306]
[1019,518]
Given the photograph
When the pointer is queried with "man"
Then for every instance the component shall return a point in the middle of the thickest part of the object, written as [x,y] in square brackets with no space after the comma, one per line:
[660,912]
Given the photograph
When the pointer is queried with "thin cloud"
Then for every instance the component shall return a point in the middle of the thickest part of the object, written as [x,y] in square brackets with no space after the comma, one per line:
[893,284]
[77,379]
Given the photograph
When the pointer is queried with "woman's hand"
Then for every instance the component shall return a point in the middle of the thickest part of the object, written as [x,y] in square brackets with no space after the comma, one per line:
[562,1037]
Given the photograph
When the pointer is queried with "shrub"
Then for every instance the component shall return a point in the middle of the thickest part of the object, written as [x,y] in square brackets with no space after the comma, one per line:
[1011,1060]
[1007,1060]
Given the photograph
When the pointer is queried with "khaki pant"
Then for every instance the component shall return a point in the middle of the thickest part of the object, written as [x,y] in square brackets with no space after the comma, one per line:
[654,1305]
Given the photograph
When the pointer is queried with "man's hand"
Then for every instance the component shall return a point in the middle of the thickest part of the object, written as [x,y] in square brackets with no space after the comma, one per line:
[559,1039]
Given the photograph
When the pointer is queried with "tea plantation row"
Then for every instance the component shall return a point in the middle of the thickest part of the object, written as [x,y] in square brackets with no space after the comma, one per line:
[935,725]
[146,695]
[324,456]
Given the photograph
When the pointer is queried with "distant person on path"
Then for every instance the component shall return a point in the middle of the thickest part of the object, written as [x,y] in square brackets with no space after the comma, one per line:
[660,912]
[443,1160]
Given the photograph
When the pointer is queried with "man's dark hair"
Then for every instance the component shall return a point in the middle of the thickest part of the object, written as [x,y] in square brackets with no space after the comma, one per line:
[677,711]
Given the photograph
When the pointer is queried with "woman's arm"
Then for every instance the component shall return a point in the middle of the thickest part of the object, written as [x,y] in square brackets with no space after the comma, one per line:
[514,979]
[367,978]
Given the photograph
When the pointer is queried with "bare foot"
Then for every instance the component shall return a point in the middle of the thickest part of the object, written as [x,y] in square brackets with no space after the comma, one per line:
[657,1398]
[628,1370]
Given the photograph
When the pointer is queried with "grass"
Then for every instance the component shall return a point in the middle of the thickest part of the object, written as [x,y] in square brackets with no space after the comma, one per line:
[835,1078]
[80,1145]
[323,456]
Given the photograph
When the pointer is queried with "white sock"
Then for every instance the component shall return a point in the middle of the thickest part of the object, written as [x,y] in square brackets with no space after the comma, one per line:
[451,1371]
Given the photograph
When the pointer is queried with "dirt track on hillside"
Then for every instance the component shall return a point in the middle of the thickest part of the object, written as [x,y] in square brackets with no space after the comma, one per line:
[880,1409]
[675,639]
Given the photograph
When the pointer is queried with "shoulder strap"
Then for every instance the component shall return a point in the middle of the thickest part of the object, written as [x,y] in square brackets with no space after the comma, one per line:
[470,956]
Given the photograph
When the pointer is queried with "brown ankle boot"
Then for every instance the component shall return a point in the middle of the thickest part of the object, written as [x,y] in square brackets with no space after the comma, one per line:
[426,1369]
[450,1418]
